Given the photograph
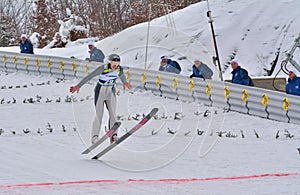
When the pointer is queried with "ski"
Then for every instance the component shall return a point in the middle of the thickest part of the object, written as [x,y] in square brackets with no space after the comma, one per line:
[129,133]
[103,138]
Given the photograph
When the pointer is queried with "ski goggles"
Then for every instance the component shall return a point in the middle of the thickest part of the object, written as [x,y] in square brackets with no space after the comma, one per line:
[116,60]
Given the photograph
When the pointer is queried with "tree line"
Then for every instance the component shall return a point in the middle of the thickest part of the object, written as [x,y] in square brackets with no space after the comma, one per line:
[94,18]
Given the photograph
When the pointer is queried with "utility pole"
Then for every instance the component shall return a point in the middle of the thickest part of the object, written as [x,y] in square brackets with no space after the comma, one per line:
[215,58]
[148,32]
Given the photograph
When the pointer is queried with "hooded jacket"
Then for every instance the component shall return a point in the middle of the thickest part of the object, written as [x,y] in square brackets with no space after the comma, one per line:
[26,47]
[240,76]
[96,55]
[172,66]
[202,72]
[293,86]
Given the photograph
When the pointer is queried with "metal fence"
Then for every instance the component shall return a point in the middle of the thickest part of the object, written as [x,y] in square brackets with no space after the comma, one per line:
[249,100]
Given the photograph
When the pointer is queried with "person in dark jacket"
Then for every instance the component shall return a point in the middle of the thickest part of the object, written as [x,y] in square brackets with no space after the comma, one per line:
[293,85]
[169,65]
[95,53]
[25,45]
[239,75]
[201,70]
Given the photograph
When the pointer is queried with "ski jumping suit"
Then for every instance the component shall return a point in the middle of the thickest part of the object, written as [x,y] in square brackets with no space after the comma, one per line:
[104,93]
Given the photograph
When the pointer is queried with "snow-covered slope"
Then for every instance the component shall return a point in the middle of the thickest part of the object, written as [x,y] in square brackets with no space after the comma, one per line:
[47,160]
[43,134]
[252,31]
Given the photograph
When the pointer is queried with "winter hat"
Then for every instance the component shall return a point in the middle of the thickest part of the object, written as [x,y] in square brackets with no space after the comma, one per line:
[234,60]
[294,70]
[23,35]
[91,43]
[197,59]
[164,57]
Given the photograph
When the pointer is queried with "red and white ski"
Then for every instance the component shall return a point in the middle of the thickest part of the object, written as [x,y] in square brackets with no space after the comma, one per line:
[103,138]
[129,133]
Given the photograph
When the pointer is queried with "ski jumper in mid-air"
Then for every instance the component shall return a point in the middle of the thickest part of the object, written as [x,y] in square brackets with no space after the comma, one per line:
[105,92]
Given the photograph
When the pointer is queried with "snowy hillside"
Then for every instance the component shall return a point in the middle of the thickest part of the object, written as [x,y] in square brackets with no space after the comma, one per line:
[43,129]
[250,30]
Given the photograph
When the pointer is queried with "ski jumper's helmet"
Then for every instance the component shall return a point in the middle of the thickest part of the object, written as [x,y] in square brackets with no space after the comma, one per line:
[114,57]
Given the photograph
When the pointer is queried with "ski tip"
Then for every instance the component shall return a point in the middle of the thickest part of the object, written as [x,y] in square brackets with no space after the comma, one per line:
[85,152]
[95,158]
[154,111]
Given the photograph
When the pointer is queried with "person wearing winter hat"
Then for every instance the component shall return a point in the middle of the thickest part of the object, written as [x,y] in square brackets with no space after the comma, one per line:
[201,70]
[26,45]
[169,65]
[240,75]
[95,53]
[105,92]
[293,85]
[293,70]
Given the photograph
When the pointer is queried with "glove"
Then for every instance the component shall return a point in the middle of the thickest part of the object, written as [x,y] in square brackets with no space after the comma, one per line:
[127,85]
[74,89]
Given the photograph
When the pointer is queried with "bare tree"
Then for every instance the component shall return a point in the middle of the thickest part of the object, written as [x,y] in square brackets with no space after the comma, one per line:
[14,12]
[6,36]
[102,18]
[44,21]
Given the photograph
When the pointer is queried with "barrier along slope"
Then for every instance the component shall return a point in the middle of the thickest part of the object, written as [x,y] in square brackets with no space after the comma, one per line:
[260,102]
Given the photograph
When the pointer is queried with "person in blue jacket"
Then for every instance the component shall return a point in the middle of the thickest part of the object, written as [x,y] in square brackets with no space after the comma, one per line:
[169,65]
[201,70]
[95,53]
[25,45]
[239,75]
[293,85]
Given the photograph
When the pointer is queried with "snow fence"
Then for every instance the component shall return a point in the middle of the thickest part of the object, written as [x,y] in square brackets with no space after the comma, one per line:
[255,101]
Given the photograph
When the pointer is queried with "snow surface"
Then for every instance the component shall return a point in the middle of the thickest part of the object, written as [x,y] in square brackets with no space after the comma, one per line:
[154,160]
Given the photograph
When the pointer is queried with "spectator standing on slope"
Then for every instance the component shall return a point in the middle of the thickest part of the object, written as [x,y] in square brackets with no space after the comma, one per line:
[201,70]
[240,75]
[293,85]
[169,65]
[95,53]
[26,45]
